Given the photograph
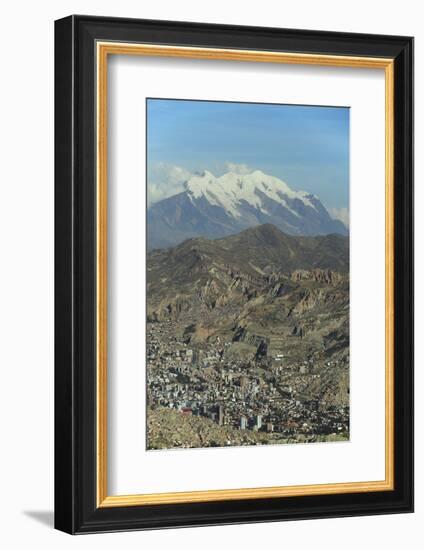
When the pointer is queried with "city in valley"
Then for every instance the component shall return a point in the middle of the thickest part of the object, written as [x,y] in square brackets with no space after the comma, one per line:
[248,341]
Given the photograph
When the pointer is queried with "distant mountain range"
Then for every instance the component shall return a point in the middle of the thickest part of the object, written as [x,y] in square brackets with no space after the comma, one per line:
[214,207]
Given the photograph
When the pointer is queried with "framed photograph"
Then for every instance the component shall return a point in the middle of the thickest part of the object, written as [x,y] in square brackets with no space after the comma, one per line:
[234,268]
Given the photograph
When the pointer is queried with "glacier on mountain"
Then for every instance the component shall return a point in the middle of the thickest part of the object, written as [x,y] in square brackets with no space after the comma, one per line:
[214,207]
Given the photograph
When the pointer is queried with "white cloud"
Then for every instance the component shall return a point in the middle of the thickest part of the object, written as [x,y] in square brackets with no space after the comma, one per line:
[341,214]
[165,180]
[238,168]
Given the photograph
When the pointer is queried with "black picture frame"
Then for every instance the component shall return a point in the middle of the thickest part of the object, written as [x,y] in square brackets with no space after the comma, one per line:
[76,508]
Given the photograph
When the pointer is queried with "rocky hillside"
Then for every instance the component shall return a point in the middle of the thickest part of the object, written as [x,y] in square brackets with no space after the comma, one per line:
[260,255]
[260,288]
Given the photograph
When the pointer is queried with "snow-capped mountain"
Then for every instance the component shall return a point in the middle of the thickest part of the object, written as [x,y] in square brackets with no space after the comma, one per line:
[214,207]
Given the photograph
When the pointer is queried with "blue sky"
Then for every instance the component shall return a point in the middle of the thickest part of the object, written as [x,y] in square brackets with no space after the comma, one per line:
[308,147]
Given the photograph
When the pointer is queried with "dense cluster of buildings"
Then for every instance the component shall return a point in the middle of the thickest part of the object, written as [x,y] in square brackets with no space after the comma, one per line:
[270,396]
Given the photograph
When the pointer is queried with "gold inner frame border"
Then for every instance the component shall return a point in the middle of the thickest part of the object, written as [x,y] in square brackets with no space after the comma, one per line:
[103,50]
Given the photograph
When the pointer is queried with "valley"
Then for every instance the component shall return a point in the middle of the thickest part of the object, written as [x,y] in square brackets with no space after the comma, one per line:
[248,340]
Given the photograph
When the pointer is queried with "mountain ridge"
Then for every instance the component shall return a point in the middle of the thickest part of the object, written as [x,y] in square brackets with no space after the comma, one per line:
[260,260]
[267,247]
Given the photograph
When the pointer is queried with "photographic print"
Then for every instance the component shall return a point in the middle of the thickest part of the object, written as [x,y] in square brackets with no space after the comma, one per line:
[247,274]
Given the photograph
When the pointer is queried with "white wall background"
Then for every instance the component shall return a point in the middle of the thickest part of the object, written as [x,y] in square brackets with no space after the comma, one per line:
[26,274]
